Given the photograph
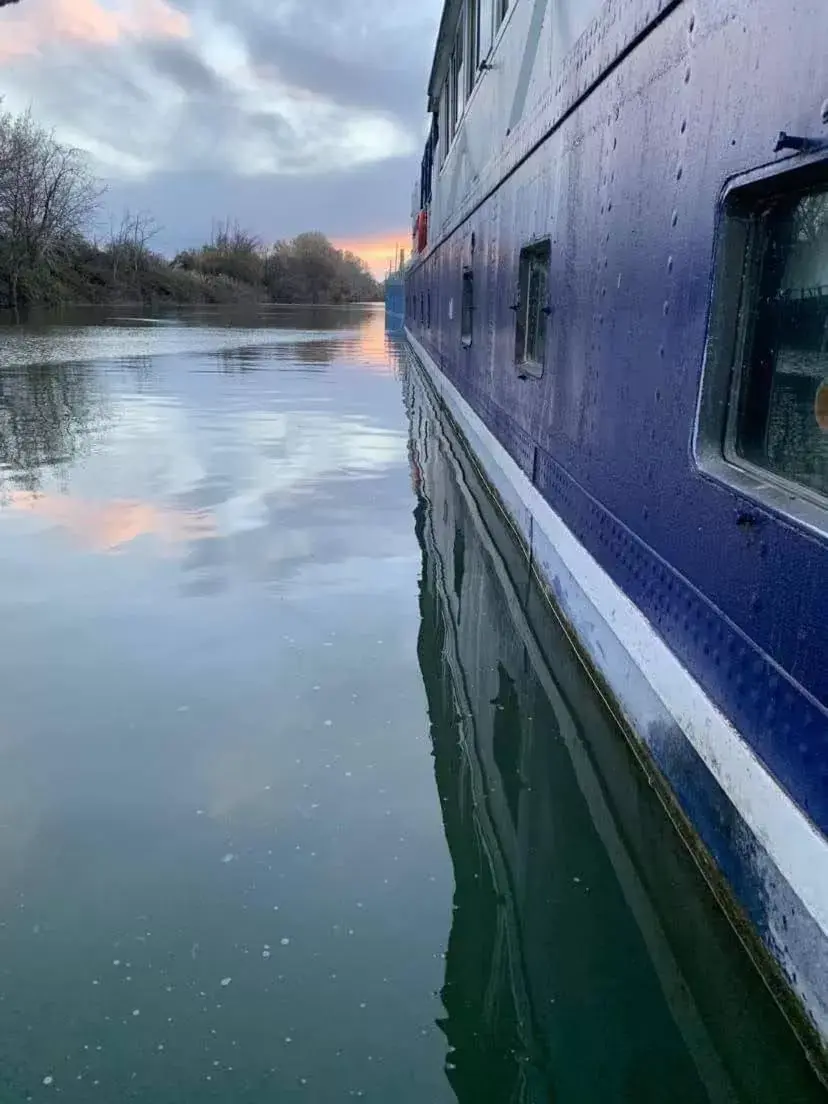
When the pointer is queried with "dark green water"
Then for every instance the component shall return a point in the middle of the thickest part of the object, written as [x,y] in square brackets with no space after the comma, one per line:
[302,795]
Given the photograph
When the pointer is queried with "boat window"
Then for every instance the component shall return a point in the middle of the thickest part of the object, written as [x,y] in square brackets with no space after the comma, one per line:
[473,50]
[486,22]
[422,308]
[458,74]
[532,309]
[467,307]
[444,130]
[428,309]
[779,409]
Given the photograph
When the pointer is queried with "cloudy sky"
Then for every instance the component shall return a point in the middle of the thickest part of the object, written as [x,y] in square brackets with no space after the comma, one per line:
[289,115]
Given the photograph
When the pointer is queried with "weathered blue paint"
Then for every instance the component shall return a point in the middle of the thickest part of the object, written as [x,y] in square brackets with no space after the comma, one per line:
[620,155]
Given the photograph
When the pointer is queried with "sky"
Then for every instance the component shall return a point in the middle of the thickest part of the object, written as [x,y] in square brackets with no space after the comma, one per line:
[288,115]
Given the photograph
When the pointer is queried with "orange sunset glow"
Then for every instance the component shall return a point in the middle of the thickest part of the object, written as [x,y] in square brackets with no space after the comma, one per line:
[89,22]
[108,526]
[378,250]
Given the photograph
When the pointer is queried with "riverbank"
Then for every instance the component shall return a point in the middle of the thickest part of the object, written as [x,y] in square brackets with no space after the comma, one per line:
[50,203]
[308,269]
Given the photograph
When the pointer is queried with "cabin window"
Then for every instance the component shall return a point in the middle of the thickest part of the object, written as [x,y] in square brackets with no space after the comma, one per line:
[452,105]
[422,309]
[779,409]
[428,309]
[762,424]
[444,129]
[467,308]
[532,309]
[486,23]
[473,51]
[458,77]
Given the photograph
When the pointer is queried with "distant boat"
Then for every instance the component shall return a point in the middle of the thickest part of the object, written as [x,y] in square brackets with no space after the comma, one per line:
[395,293]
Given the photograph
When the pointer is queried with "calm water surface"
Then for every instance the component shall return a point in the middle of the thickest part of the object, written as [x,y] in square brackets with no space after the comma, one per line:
[302,795]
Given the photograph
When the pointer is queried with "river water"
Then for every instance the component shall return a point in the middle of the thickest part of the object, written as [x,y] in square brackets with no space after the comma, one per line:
[303,795]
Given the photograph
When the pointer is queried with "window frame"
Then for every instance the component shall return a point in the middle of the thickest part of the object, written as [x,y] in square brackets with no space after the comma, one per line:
[714,438]
[444,137]
[459,56]
[473,59]
[530,253]
[467,306]
[451,91]
[457,75]
[487,32]
[461,80]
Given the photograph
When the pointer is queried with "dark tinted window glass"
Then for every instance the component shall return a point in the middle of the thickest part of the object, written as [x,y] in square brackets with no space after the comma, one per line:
[467,307]
[782,413]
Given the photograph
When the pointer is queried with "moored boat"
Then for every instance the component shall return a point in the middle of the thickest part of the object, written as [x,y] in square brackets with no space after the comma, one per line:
[618,288]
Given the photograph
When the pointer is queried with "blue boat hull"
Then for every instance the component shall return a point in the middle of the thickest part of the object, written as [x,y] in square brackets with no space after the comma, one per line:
[711,634]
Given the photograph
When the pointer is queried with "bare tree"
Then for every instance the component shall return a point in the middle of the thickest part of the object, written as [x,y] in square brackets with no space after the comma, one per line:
[128,245]
[47,196]
[230,237]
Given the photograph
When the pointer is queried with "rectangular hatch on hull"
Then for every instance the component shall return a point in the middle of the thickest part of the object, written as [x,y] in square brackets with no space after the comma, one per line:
[532,309]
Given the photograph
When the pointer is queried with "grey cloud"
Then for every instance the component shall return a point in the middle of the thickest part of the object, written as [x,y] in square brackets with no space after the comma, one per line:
[320,46]
[208,124]
[94,92]
[114,98]
[178,62]
[398,93]
[370,55]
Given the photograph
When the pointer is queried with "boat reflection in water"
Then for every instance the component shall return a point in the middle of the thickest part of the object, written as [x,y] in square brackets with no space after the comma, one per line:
[587,961]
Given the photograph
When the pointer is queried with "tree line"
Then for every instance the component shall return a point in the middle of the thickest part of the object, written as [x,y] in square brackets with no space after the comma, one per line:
[49,200]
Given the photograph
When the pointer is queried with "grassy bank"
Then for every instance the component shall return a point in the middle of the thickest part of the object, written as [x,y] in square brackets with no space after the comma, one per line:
[306,270]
